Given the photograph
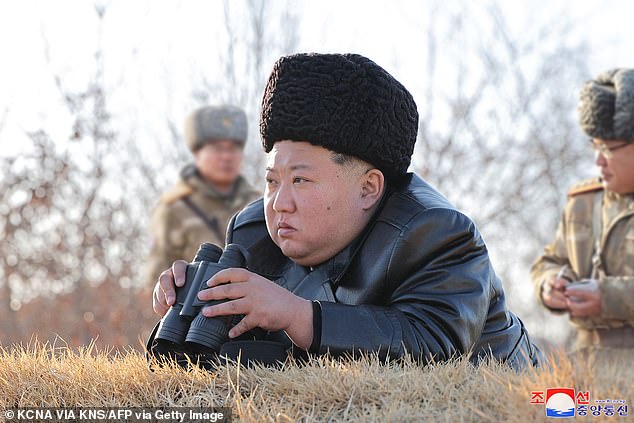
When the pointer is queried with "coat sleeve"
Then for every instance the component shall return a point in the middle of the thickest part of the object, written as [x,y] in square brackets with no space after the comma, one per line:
[438,286]
[554,257]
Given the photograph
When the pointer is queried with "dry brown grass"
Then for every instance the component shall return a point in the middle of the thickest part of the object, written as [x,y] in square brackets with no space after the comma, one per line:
[323,390]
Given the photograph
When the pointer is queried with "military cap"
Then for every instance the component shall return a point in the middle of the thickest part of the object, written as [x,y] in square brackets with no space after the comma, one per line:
[606,107]
[211,123]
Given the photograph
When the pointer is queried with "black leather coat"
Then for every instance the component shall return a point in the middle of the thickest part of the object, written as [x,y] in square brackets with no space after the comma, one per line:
[418,280]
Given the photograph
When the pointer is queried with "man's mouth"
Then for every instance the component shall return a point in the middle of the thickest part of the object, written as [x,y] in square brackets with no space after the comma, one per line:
[284,229]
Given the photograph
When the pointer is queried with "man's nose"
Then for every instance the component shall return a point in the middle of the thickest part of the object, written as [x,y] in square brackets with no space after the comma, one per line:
[284,201]
[600,160]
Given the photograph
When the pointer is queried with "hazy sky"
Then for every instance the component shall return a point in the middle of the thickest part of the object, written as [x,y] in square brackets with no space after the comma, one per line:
[146,40]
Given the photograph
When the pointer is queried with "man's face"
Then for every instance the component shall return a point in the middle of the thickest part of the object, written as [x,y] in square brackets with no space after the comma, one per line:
[314,207]
[219,162]
[616,166]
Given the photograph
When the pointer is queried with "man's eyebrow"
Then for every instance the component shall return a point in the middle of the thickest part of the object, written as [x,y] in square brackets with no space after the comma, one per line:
[300,166]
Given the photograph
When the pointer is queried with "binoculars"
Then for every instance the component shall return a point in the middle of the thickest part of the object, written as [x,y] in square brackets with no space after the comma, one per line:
[184,333]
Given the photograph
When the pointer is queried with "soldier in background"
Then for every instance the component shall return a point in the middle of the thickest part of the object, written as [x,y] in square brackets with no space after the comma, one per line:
[588,270]
[210,190]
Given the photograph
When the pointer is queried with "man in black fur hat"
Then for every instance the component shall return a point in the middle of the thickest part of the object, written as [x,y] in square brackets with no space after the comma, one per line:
[348,252]
[588,270]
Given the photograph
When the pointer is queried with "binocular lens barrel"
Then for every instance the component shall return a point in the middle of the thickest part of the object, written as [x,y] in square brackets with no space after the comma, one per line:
[184,327]
[175,324]
[208,252]
[208,334]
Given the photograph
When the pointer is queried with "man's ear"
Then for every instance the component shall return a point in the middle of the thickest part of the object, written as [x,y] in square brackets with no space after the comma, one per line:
[372,187]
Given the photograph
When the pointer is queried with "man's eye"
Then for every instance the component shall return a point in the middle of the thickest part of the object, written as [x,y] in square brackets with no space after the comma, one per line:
[298,180]
[269,181]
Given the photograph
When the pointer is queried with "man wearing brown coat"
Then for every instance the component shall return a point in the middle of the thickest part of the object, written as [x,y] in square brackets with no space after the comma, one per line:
[210,190]
[588,270]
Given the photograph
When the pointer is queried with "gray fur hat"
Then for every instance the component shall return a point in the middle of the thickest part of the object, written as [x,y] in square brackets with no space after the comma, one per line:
[211,123]
[606,107]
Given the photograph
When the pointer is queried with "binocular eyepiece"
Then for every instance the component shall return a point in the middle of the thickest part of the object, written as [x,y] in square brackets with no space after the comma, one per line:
[184,330]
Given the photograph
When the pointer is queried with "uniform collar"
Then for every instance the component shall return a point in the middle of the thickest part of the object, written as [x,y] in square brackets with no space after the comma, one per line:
[619,201]
[191,176]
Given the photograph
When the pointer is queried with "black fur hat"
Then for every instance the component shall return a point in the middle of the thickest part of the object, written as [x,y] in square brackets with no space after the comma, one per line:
[606,108]
[343,102]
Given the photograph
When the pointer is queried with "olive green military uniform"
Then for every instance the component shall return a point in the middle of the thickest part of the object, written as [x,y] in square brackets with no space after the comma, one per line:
[595,238]
[178,229]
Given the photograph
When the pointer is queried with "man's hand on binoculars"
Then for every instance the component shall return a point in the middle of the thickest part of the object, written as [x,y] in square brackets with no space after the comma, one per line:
[264,304]
[164,293]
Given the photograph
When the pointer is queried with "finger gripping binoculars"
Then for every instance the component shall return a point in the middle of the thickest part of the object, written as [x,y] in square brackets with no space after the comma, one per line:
[184,331]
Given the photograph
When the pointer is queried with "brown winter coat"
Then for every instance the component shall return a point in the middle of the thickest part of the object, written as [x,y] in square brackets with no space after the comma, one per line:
[177,230]
[593,214]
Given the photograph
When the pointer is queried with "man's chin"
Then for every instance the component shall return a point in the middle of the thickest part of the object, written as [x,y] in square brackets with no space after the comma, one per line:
[290,252]
[293,252]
